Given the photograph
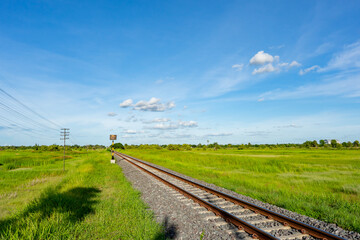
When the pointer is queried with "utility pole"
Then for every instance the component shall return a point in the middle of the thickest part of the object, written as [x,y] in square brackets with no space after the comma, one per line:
[65,132]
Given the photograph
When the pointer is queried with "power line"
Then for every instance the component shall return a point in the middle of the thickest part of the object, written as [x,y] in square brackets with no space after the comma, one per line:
[20,126]
[21,121]
[25,131]
[22,116]
[28,108]
[18,112]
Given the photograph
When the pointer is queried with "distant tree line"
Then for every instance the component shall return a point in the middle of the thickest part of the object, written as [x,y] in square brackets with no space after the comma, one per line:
[188,147]
[332,144]
[54,147]
[215,146]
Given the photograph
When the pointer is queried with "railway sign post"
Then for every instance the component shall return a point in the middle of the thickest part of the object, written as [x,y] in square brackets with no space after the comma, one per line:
[112,138]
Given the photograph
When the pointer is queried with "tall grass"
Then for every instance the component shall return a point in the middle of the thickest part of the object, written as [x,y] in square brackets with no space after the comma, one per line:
[91,200]
[30,158]
[324,184]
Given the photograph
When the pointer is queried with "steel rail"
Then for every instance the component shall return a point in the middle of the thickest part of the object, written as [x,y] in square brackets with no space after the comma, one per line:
[287,221]
[241,224]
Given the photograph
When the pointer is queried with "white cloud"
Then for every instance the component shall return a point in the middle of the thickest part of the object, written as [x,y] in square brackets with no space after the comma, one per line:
[238,67]
[347,85]
[277,47]
[157,120]
[188,124]
[220,80]
[127,136]
[126,103]
[175,136]
[347,59]
[162,126]
[218,134]
[267,61]
[129,131]
[131,118]
[310,69]
[257,133]
[153,105]
[284,64]
[159,81]
[294,64]
[323,48]
[292,125]
[154,135]
[264,69]
[171,125]
[288,65]
[261,58]
[111,114]
[170,105]
[161,120]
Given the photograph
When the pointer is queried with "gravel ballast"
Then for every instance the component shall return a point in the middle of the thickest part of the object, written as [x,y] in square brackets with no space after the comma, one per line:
[176,213]
[181,219]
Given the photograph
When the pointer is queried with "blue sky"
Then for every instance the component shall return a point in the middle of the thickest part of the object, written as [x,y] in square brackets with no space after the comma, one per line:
[182,71]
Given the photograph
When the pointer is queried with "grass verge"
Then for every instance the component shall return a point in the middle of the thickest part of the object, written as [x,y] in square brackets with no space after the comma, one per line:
[91,200]
[323,184]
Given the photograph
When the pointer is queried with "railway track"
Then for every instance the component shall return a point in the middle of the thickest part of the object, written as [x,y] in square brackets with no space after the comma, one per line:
[244,219]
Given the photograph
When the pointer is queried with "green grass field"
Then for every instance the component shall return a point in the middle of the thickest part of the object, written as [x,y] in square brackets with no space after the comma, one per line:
[91,200]
[324,184]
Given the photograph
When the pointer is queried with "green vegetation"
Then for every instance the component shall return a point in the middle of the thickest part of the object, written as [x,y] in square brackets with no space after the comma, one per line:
[90,200]
[323,144]
[118,146]
[321,183]
[187,147]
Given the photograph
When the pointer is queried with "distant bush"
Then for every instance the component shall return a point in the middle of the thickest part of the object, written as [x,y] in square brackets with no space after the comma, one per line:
[118,146]
[189,147]
[150,146]
[173,147]
[9,166]
[186,147]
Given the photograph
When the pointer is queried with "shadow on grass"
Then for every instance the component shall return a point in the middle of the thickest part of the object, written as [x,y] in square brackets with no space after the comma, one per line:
[73,204]
[170,230]
[76,202]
